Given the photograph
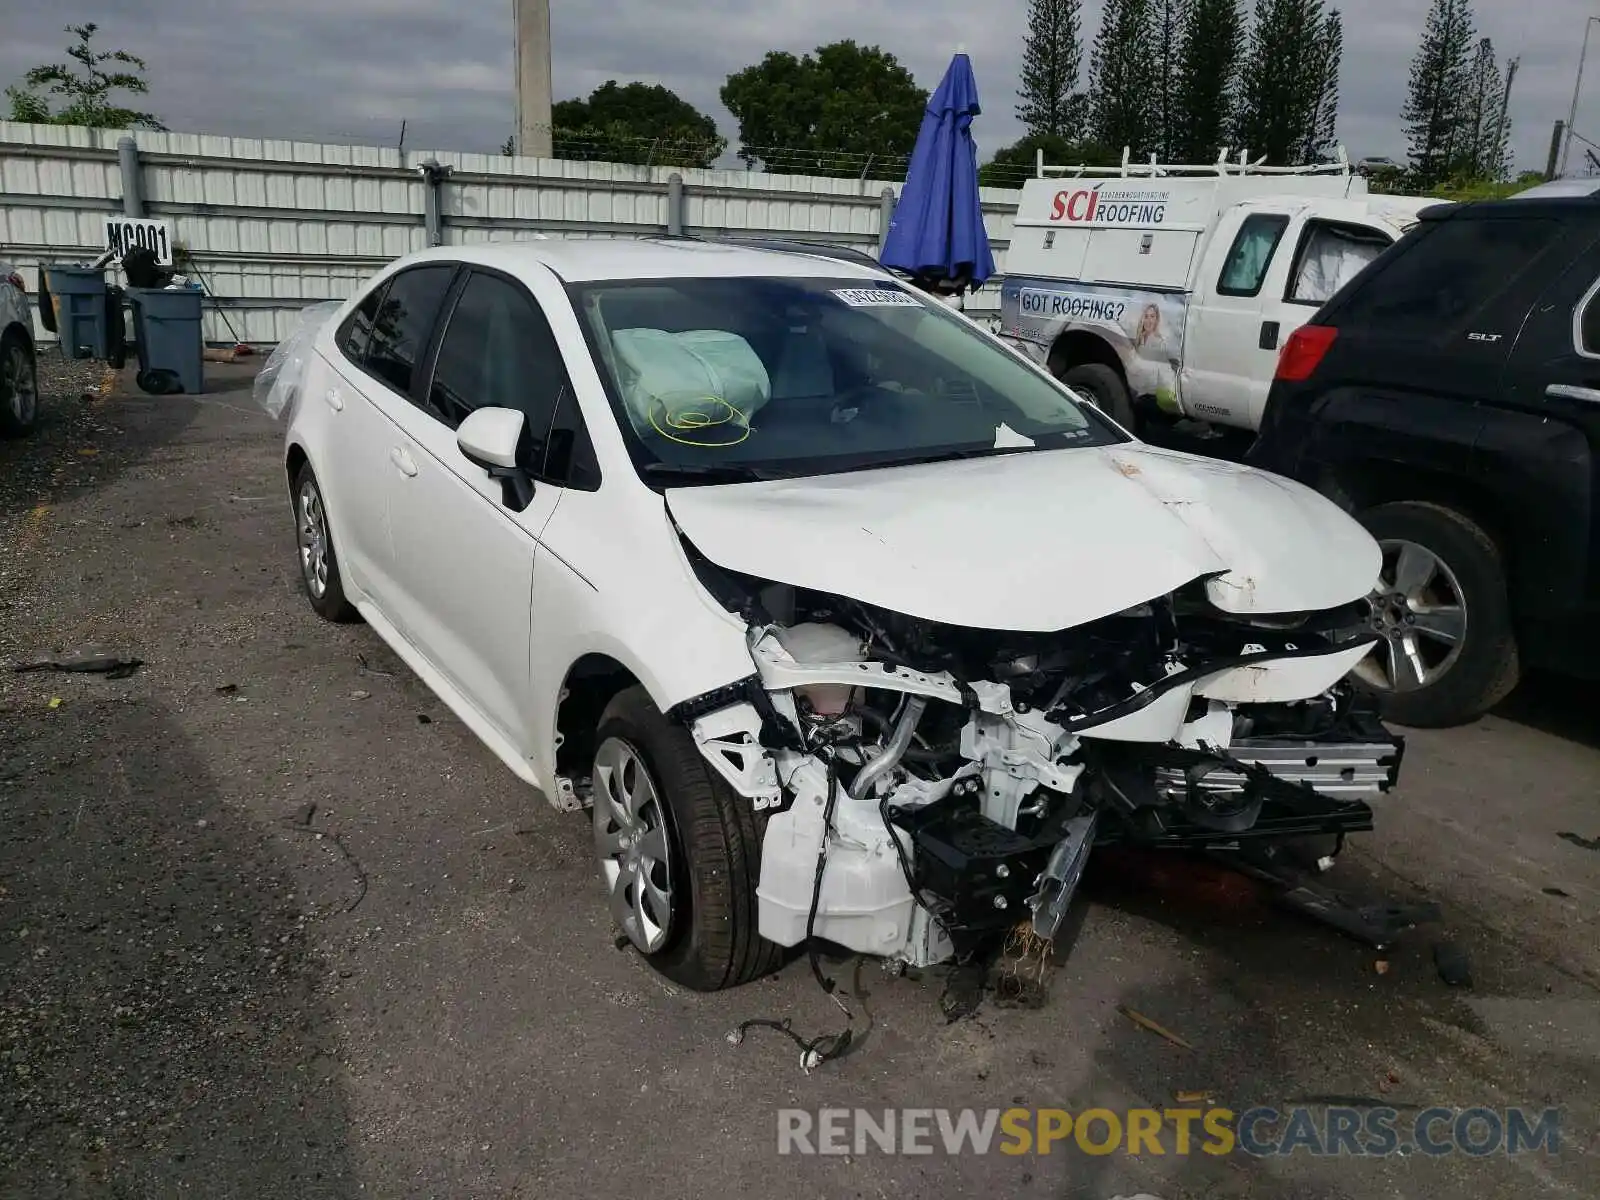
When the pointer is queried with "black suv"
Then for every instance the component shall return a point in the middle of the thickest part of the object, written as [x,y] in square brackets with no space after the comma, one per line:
[1449,395]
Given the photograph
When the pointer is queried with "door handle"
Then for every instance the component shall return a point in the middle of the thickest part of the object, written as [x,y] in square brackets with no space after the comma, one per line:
[1568,391]
[402,460]
[1269,335]
[335,401]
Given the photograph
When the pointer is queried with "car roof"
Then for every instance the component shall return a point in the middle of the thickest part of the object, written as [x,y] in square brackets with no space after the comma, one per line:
[1558,188]
[590,260]
[1534,202]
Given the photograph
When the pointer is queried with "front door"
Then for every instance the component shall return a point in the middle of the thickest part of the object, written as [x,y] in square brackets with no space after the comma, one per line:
[464,551]
[1226,359]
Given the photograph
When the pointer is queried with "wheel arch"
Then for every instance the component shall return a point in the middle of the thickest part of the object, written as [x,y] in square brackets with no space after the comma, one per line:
[21,330]
[294,459]
[592,681]
[1356,486]
[1075,347]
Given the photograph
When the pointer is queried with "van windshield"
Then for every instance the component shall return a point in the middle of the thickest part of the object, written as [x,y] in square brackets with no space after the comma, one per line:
[714,378]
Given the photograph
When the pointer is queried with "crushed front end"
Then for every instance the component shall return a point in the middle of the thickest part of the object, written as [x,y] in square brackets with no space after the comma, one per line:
[927,786]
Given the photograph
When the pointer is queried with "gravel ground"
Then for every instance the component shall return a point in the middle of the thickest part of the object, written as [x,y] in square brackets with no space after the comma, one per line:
[273,924]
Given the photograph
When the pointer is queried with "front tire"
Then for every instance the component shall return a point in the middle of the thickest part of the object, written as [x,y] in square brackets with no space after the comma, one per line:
[679,851]
[1449,650]
[1102,386]
[19,386]
[319,564]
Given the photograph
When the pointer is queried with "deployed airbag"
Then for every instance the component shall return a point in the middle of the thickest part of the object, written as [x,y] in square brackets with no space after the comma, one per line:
[700,379]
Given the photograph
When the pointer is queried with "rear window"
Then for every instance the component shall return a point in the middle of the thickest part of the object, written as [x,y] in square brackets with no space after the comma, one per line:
[1448,277]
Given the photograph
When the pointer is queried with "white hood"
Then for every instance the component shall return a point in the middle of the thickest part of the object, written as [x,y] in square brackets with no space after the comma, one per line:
[1039,541]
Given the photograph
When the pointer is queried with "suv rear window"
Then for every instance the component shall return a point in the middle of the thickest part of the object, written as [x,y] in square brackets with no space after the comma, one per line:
[1448,276]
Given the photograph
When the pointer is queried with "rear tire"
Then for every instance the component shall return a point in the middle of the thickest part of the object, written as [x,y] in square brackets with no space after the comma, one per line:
[319,563]
[1103,387]
[708,932]
[19,385]
[1470,675]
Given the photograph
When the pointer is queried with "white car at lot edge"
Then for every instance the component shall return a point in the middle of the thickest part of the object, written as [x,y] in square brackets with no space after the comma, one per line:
[19,372]
[848,622]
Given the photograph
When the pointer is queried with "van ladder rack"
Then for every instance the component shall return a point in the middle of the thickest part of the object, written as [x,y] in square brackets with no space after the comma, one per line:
[1223,166]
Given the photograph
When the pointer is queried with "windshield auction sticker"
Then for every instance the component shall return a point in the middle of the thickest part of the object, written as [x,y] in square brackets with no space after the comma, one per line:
[874,297]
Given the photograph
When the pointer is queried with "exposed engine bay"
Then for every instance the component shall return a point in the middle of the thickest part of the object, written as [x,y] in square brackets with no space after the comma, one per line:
[926,785]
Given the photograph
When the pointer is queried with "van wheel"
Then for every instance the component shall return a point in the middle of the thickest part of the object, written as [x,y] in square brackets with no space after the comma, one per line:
[1103,387]
[679,851]
[1448,652]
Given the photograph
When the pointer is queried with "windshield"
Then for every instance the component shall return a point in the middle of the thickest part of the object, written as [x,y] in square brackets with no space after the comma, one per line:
[731,378]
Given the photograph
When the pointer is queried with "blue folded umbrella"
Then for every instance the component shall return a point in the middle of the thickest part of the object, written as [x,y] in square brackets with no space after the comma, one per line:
[938,225]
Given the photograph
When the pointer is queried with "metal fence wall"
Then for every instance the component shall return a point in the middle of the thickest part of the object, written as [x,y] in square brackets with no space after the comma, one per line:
[272,226]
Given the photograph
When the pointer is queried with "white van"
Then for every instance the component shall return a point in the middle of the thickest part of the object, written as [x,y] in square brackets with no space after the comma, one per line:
[1176,286]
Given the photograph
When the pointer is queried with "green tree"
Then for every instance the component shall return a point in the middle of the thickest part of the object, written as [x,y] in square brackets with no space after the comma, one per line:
[1014,165]
[1052,53]
[1283,82]
[1208,78]
[1120,71]
[843,109]
[1434,111]
[86,89]
[1169,18]
[1485,152]
[1322,135]
[642,123]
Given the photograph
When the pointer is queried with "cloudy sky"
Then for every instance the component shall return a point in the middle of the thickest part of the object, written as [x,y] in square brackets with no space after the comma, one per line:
[351,70]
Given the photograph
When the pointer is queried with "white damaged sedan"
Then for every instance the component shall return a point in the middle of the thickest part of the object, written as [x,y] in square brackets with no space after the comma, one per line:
[847,622]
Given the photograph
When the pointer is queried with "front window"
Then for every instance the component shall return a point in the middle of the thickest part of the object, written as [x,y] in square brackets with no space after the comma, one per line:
[749,377]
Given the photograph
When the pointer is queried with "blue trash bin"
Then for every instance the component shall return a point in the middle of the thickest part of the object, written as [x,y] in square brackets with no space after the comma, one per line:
[167,328]
[78,295]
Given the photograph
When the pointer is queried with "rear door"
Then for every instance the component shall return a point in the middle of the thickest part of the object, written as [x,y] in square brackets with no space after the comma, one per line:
[381,344]
[1326,255]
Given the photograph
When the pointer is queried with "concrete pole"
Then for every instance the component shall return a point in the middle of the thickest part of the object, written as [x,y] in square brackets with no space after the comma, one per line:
[675,205]
[132,179]
[534,135]
[886,216]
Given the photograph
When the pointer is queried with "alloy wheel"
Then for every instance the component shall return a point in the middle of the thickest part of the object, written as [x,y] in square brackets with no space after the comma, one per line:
[21,383]
[1419,612]
[630,838]
[312,531]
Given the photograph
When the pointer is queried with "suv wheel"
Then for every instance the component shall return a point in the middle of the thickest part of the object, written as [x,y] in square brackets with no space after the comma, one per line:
[679,851]
[19,385]
[1448,652]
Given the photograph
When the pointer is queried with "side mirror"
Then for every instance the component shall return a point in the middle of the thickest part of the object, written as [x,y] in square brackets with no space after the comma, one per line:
[488,438]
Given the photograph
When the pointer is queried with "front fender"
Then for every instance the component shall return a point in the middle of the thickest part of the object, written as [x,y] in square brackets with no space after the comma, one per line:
[620,586]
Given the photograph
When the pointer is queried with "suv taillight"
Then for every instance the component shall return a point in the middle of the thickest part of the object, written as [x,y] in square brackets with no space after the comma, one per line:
[15,281]
[1303,352]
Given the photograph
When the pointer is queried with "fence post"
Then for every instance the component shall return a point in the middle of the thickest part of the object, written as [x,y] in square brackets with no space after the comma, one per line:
[433,176]
[885,216]
[132,177]
[675,205]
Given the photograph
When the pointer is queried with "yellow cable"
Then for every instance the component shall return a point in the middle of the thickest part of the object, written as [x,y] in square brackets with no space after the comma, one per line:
[691,419]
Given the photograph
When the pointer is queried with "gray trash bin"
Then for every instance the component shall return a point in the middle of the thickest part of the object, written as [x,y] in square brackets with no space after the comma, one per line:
[78,295]
[167,328]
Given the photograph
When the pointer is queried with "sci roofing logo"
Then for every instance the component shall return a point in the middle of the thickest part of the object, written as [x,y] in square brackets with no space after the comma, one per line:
[1102,205]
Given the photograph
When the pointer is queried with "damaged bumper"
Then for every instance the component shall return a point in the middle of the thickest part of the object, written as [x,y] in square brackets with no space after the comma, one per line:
[944,807]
